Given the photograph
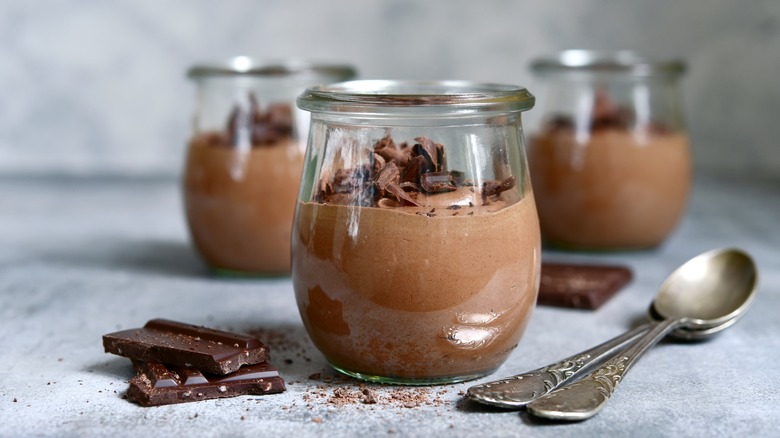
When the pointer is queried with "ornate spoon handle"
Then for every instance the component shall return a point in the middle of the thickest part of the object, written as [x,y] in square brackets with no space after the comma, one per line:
[517,391]
[585,398]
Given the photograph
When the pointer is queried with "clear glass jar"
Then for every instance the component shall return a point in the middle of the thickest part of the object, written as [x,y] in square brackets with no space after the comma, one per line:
[244,161]
[610,161]
[416,245]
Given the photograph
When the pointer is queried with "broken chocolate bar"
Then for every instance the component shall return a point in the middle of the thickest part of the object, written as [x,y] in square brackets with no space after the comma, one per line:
[175,343]
[159,384]
[580,286]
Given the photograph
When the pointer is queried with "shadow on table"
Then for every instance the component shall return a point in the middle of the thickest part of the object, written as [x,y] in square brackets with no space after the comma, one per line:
[112,366]
[170,258]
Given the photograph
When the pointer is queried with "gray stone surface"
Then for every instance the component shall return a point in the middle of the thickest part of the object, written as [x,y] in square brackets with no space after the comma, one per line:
[80,258]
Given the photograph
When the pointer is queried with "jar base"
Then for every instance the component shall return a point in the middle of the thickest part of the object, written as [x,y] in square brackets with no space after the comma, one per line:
[414,381]
[238,274]
[554,245]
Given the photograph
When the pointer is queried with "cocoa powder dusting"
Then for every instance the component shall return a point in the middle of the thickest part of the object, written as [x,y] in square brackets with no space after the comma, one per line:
[341,391]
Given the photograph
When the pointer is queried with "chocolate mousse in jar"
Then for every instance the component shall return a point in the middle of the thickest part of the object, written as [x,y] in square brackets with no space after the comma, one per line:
[244,161]
[610,159]
[416,243]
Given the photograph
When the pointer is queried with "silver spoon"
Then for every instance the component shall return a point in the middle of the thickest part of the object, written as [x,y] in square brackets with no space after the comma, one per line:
[517,391]
[707,292]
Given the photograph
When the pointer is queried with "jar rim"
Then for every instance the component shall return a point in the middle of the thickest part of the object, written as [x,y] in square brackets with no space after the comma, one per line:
[248,66]
[618,61]
[378,95]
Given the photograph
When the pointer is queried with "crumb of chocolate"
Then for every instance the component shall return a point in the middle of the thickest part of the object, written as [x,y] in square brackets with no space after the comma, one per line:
[368,397]
[346,392]
[316,420]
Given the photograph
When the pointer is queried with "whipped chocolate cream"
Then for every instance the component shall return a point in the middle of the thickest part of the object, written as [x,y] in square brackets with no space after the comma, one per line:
[406,270]
[613,187]
[240,189]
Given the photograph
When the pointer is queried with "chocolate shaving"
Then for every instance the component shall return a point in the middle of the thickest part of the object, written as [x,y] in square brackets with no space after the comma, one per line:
[388,175]
[491,189]
[387,182]
[348,186]
[387,149]
[412,172]
[379,163]
[263,128]
[432,152]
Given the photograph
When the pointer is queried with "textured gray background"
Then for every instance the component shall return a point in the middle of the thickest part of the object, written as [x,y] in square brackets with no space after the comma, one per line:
[95,86]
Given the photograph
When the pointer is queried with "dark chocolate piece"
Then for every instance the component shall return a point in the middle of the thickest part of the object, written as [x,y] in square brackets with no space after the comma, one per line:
[158,384]
[580,286]
[175,343]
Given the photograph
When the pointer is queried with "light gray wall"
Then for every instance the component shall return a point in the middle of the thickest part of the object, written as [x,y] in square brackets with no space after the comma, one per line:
[98,86]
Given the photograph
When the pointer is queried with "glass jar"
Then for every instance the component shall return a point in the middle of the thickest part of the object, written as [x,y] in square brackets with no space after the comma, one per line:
[416,245]
[244,161]
[610,160]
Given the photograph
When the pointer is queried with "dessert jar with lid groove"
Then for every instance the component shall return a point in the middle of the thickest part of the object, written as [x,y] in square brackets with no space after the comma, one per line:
[416,243]
[610,160]
[244,161]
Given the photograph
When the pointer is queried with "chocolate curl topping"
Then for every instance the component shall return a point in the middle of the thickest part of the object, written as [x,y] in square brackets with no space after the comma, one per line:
[432,152]
[265,127]
[387,182]
[389,151]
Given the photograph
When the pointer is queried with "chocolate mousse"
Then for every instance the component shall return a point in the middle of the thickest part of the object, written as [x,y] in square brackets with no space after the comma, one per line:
[405,271]
[615,184]
[240,189]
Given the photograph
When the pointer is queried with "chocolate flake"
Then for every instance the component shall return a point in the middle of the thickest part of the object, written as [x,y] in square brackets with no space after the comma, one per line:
[387,181]
[491,189]
[262,128]
[387,149]
[432,152]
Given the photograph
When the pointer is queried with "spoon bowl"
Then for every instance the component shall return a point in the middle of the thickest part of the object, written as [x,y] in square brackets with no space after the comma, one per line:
[709,290]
